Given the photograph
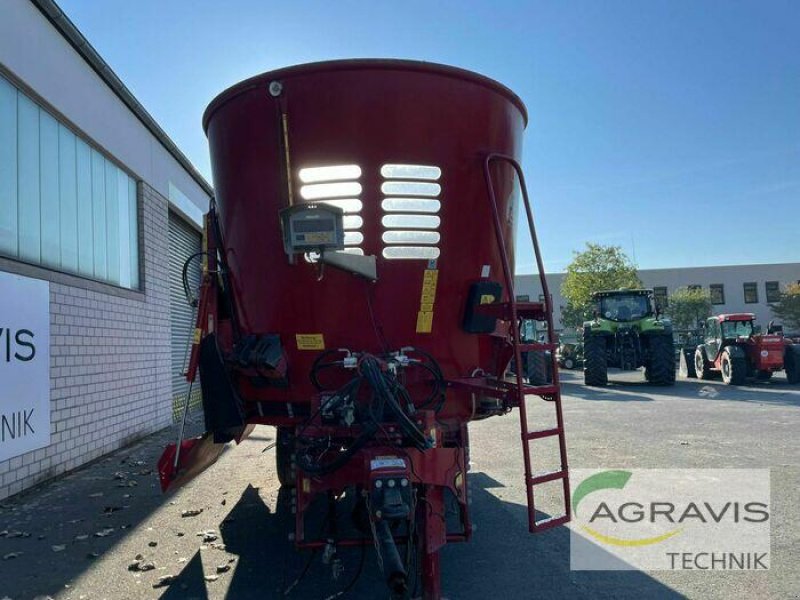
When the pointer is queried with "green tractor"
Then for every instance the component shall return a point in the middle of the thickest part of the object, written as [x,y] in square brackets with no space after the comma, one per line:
[627,333]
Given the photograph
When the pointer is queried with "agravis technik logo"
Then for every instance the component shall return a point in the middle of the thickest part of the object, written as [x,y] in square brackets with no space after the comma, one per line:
[667,519]
[611,480]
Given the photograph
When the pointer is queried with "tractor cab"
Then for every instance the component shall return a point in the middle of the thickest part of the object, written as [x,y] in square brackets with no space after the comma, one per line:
[624,305]
[723,330]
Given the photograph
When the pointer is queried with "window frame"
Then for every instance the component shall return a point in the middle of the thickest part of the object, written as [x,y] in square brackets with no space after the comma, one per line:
[721,288]
[41,267]
[776,296]
[753,287]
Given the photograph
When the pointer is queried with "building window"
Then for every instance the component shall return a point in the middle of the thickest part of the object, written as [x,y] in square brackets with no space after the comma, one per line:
[717,293]
[773,291]
[660,296]
[751,293]
[63,204]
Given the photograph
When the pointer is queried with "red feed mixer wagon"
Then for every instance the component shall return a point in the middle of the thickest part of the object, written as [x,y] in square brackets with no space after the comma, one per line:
[358,295]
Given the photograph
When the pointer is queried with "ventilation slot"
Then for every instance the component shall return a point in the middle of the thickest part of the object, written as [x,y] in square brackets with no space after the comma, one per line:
[337,185]
[410,211]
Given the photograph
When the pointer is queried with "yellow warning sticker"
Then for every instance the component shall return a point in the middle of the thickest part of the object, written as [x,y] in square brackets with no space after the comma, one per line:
[310,341]
[424,322]
[198,334]
[487,299]
[425,315]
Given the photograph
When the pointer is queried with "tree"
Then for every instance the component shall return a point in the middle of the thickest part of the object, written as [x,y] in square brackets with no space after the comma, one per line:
[787,309]
[595,269]
[689,307]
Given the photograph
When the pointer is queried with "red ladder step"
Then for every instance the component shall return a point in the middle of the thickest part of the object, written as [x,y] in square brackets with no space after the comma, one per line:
[549,523]
[504,310]
[545,477]
[537,347]
[538,390]
[540,433]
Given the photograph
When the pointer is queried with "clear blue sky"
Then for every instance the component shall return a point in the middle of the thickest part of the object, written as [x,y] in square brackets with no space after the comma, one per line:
[670,128]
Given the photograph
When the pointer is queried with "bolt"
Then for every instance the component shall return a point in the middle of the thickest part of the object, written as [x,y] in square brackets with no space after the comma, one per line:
[275,88]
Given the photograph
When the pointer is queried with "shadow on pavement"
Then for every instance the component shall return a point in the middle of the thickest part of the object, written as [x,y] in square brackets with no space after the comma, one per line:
[267,563]
[502,559]
[606,394]
[619,389]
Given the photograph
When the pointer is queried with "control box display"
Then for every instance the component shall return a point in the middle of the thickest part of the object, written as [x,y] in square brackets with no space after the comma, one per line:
[312,228]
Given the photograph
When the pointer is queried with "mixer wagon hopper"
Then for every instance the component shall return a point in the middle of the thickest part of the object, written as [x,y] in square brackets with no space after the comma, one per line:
[358,295]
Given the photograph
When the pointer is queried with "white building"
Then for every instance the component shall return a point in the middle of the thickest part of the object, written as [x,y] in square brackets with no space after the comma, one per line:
[736,288]
[98,211]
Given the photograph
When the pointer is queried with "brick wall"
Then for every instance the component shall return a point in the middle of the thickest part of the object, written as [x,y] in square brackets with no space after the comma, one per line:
[110,360]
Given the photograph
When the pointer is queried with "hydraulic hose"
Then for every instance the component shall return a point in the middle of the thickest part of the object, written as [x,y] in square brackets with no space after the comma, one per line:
[396,576]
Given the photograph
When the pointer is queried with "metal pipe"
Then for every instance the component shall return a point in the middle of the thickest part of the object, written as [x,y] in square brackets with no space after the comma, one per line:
[395,572]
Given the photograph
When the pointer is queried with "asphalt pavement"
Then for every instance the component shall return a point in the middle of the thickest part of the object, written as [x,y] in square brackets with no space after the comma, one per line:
[106,531]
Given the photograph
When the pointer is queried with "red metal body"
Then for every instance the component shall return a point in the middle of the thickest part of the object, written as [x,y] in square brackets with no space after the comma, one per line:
[269,138]
[764,352]
[365,113]
[736,317]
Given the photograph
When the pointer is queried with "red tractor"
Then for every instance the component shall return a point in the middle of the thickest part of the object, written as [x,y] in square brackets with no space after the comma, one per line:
[733,348]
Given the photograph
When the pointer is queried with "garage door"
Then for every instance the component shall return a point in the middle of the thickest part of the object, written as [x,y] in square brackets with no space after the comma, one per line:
[184,240]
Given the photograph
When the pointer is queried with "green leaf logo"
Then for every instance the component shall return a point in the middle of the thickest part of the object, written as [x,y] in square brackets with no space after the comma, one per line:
[615,480]
[599,481]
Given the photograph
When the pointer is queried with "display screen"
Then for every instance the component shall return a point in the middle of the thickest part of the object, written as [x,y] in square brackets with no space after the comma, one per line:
[312,225]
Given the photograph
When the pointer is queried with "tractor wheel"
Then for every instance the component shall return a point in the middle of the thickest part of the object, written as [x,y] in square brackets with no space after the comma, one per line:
[595,367]
[687,366]
[569,363]
[284,454]
[661,370]
[734,368]
[536,368]
[791,362]
[701,368]
[764,375]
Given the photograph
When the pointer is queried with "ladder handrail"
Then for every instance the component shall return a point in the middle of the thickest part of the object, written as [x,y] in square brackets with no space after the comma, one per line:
[496,156]
[515,329]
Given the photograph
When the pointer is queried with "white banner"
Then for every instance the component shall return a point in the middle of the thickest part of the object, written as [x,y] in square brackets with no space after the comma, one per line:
[670,519]
[24,365]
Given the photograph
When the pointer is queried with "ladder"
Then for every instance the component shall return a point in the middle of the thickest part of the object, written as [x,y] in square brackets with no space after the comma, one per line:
[514,311]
